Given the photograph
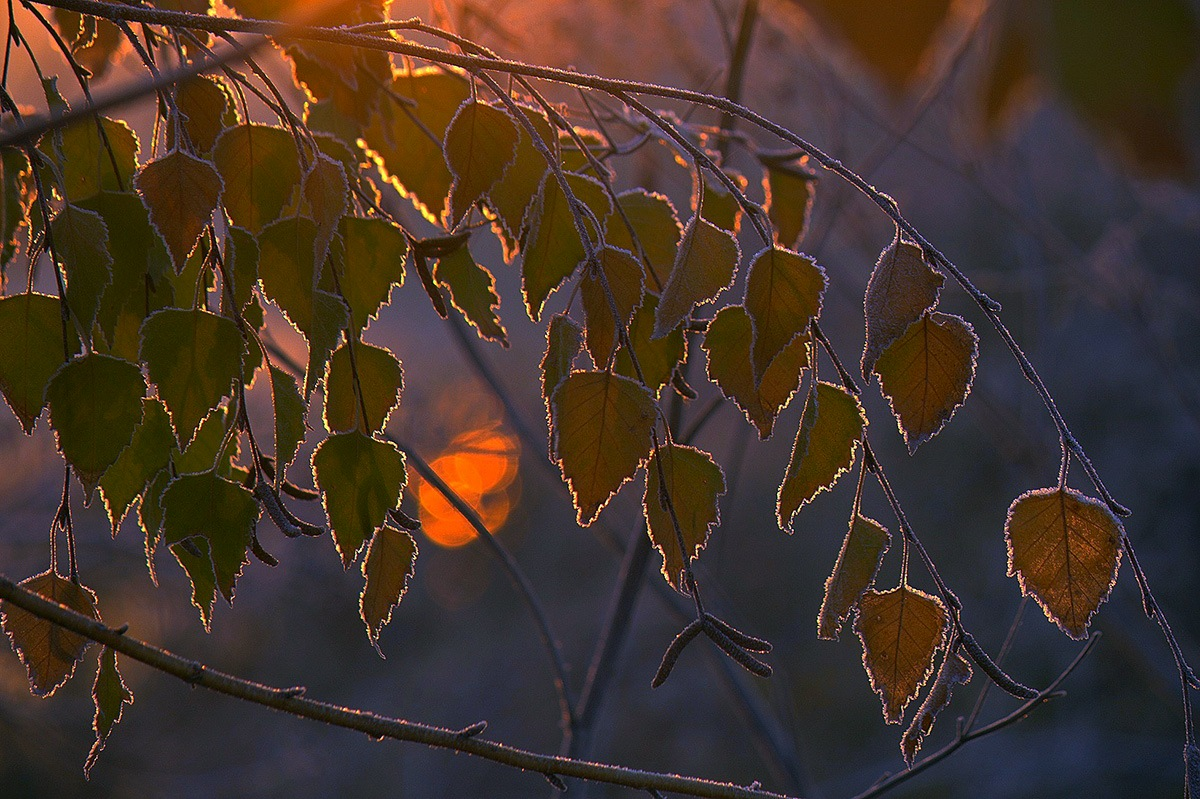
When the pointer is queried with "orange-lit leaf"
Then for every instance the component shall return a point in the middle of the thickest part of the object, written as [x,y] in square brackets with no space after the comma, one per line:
[927,373]
[602,433]
[707,259]
[624,277]
[789,189]
[377,389]
[1064,548]
[204,103]
[721,206]
[830,429]
[656,357]
[481,143]
[509,197]
[472,291]
[901,289]
[564,341]
[110,695]
[693,483]
[783,295]
[180,192]
[390,562]
[49,652]
[360,481]
[326,195]
[728,343]
[901,631]
[855,570]
[656,224]
[954,671]
[260,167]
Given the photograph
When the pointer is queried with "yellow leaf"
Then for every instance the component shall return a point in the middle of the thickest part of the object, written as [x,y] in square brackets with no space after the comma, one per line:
[901,289]
[603,424]
[855,570]
[707,259]
[693,483]
[926,374]
[830,429]
[624,276]
[1064,549]
[901,631]
[783,295]
[390,562]
[49,652]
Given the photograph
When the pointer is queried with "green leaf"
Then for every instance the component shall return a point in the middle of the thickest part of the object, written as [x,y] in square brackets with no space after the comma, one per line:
[955,671]
[1065,549]
[926,374]
[707,259]
[375,249]
[602,426]
[330,318]
[692,482]
[181,192]
[624,277]
[147,454]
[326,196]
[95,406]
[150,517]
[80,241]
[656,224]
[86,165]
[360,481]
[203,451]
[110,695]
[204,505]
[390,563]
[789,189]
[481,143]
[193,357]
[49,652]
[901,631]
[241,263]
[511,196]
[31,351]
[260,167]
[830,429]
[407,139]
[200,571]
[287,267]
[205,105]
[15,196]
[472,292]
[855,570]
[553,248]
[658,358]
[564,341]
[727,344]
[380,380]
[901,289]
[783,296]
[290,413]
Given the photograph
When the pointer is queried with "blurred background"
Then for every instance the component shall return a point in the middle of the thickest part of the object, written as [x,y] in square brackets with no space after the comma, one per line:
[1048,147]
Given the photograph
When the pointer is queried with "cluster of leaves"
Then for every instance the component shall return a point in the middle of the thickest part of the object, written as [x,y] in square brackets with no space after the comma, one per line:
[164,266]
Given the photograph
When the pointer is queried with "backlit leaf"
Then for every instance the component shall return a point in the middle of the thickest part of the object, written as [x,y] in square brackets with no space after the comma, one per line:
[552,248]
[624,277]
[287,267]
[95,406]
[86,166]
[704,266]
[830,429]
[390,563]
[110,695]
[260,167]
[199,569]
[1064,548]
[241,264]
[693,483]
[472,291]
[360,481]
[927,373]
[855,570]
[657,357]
[954,671]
[901,289]
[783,295]
[510,196]
[656,224]
[147,454]
[290,412]
[564,341]
[200,455]
[205,505]
[31,351]
[602,427]
[81,243]
[481,143]
[193,357]
[330,318]
[326,197]
[15,196]
[205,105]
[901,631]
[379,382]
[789,192]
[375,250]
[721,206]
[49,652]
[180,191]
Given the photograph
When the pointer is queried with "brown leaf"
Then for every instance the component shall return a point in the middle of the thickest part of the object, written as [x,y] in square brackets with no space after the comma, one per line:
[901,630]
[707,260]
[954,671]
[783,295]
[694,482]
[855,570]
[390,563]
[624,276]
[902,288]
[1065,550]
[49,652]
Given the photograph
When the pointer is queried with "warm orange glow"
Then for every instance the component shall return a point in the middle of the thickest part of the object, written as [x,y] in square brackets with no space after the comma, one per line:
[480,466]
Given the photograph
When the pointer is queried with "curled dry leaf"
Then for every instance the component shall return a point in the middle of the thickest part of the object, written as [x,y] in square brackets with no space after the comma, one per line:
[955,671]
